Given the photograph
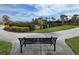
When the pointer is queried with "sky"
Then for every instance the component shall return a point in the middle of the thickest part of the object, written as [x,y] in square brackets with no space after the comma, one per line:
[25,12]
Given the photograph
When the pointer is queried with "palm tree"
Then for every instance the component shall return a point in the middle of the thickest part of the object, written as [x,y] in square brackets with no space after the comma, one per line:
[66,19]
[62,18]
[74,18]
[6,20]
[53,20]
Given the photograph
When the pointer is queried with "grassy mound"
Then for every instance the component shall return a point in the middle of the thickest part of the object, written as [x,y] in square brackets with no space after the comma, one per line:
[73,43]
[57,28]
[5,48]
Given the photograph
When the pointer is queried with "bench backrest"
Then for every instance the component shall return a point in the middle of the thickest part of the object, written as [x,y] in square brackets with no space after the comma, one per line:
[38,40]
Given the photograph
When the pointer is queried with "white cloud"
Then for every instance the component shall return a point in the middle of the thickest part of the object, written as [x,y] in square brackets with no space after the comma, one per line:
[47,10]
[43,10]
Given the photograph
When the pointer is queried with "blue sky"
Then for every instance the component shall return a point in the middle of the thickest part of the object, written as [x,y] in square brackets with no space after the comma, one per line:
[25,12]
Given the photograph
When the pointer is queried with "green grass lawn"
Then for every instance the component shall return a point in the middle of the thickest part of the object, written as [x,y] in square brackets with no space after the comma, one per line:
[5,48]
[57,28]
[73,44]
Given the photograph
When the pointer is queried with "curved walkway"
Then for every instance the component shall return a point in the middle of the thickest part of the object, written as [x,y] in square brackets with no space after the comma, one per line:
[34,49]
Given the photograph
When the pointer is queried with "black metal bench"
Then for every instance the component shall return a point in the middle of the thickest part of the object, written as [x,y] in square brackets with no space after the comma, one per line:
[24,41]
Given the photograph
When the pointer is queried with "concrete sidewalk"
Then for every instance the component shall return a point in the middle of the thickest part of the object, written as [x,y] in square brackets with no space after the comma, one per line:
[34,49]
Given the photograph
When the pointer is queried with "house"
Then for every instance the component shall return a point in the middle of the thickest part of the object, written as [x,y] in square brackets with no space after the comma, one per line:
[40,23]
[1,22]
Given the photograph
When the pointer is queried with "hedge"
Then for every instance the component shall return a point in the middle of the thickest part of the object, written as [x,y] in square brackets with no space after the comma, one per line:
[16,29]
[19,24]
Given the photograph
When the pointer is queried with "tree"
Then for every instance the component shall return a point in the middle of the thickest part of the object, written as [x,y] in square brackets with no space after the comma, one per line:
[66,19]
[75,19]
[62,18]
[53,19]
[6,20]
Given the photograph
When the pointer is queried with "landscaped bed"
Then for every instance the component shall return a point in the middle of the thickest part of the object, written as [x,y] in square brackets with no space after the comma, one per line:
[47,30]
[57,28]
[16,29]
[73,43]
[5,48]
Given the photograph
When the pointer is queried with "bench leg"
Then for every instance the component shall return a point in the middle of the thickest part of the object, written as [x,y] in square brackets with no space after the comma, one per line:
[21,48]
[54,47]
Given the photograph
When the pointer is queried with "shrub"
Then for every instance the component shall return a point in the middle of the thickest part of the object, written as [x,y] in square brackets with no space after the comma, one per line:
[31,27]
[23,24]
[19,24]
[16,29]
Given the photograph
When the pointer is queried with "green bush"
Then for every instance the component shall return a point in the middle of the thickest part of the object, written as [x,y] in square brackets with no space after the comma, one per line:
[23,24]
[19,24]
[16,29]
[31,27]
